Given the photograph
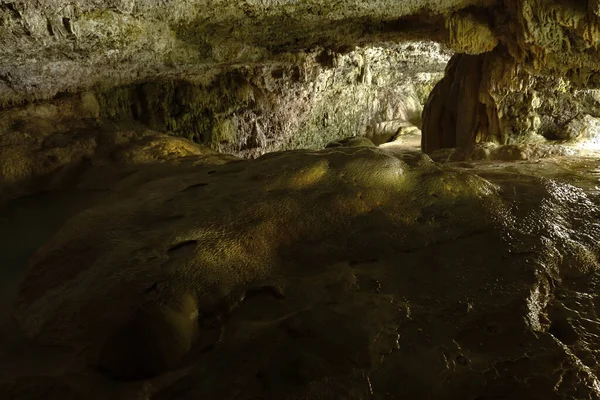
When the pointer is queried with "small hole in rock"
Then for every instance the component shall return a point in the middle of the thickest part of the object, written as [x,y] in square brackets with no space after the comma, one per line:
[49,28]
[492,329]
[67,23]
[195,186]
[563,331]
[182,248]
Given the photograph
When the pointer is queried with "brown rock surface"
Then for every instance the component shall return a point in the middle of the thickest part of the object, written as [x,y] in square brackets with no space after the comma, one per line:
[36,157]
[349,272]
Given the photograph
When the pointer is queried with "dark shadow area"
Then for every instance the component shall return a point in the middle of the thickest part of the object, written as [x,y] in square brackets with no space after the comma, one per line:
[25,224]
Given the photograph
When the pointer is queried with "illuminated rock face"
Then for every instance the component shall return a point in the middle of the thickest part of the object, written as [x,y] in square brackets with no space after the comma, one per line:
[200,58]
[490,98]
[49,47]
[245,110]
[349,271]
[46,160]
[324,96]
[504,95]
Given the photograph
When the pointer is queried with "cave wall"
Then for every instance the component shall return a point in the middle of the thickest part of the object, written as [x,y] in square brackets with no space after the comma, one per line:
[320,97]
[491,98]
[49,48]
[537,84]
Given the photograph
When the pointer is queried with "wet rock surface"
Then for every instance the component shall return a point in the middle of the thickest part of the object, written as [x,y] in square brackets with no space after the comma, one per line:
[351,272]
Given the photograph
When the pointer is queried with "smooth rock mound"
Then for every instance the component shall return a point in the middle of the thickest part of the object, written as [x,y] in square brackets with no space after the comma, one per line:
[209,233]
[347,272]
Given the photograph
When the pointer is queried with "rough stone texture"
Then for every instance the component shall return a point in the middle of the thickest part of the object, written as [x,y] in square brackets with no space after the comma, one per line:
[245,111]
[248,111]
[542,107]
[176,51]
[49,47]
[555,36]
[349,272]
[470,35]
[354,272]
[585,129]
[37,156]
[490,98]
[509,98]
[326,96]
[460,110]
[489,151]
[513,152]
[352,142]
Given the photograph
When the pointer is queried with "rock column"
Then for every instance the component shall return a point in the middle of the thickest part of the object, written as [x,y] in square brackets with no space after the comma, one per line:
[462,108]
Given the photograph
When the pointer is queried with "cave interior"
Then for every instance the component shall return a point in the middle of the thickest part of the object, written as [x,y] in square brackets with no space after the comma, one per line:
[299,199]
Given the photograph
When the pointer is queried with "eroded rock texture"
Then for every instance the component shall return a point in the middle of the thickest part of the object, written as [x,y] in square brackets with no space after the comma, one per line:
[350,272]
[489,98]
[326,96]
[525,89]
[50,47]
[255,76]
[458,114]
[38,156]
[249,110]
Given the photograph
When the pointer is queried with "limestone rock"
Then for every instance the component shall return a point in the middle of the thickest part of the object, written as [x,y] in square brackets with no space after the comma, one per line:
[585,129]
[470,35]
[515,152]
[461,109]
[233,78]
[352,142]
[47,49]
[118,42]
[36,157]
[245,277]
[250,110]
[407,130]
[340,185]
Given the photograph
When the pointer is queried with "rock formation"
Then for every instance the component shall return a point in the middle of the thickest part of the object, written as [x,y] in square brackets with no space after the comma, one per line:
[500,93]
[237,75]
[266,226]
[302,275]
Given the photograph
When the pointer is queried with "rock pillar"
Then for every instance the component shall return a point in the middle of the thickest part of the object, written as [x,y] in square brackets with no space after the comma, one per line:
[462,109]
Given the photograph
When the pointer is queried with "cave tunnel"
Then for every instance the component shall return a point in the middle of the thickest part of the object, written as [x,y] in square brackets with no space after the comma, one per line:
[299,199]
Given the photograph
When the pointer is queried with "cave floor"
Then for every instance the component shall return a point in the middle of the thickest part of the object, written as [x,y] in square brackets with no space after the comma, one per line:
[25,224]
[480,309]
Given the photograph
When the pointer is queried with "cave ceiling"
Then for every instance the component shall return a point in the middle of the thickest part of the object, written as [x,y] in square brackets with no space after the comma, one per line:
[49,47]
